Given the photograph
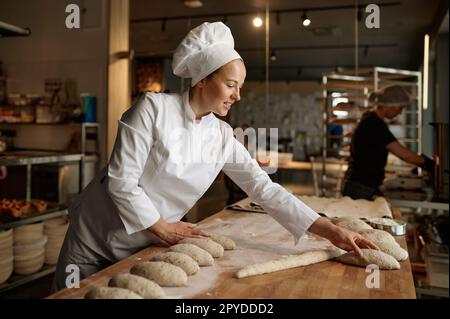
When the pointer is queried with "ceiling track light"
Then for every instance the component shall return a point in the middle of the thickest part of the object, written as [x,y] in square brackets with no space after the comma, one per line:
[305,20]
[193,3]
[257,22]
[163,25]
[273,56]
[278,18]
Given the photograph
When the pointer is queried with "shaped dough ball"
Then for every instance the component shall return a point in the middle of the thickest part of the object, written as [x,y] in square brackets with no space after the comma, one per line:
[145,288]
[225,242]
[164,274]
[386,242]
[185,262]
[207,244]
[201,256]
[370,256]
[354,224]
[111,293]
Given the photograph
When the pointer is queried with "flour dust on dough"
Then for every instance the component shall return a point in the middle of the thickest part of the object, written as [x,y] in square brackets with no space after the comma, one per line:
[207,244]
[111,293]
[185,262]
[164,274]
[370,256]
[304,259]
[201,256]
[226,242]
[144,287]
[386,242]
[354,224]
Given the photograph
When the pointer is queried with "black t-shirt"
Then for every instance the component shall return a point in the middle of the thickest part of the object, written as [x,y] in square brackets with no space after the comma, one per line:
[368,151]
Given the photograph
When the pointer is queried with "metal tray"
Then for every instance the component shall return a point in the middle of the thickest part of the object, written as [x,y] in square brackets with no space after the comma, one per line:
[396,230]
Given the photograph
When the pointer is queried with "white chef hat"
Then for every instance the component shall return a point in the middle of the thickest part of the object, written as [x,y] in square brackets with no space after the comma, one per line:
[204,50]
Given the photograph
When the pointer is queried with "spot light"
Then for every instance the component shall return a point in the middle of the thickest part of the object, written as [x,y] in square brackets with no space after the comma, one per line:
[305,20]
[273,56]
[257,22]
[193,3]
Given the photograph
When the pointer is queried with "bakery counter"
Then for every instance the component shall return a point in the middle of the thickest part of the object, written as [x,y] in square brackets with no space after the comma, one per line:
[259,238]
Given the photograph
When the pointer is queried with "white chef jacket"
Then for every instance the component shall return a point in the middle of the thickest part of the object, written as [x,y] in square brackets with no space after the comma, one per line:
[162,163]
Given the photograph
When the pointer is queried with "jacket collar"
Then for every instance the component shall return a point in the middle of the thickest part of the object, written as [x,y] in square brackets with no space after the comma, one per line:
[189,113]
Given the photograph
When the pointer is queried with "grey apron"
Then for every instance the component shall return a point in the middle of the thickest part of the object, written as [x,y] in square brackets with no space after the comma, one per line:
[96,237]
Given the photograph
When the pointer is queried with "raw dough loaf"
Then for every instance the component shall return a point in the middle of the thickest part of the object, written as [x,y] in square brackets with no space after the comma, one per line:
[185,262]
[111,293]
[164,274]
[225,242]
[354,224]
[207,244]
[144,287]
[370,256]
[386,242]
[201,256]
[304,259]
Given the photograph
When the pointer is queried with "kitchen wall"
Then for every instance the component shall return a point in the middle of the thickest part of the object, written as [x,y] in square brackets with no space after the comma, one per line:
[53,51]
[294,107]
[442,104]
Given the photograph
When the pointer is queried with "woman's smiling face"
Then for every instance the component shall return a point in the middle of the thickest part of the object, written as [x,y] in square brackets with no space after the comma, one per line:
[222,88]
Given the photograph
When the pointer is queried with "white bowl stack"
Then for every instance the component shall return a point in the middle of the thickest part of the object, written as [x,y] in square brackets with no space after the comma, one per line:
[29,248]
[6,254]
[55,229]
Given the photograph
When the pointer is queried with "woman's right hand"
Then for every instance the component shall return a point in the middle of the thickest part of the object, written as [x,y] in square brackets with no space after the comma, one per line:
[172,233]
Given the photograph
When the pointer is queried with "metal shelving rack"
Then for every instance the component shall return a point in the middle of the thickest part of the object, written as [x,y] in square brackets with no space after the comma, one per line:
[29,158]
[9,30]
[354,86]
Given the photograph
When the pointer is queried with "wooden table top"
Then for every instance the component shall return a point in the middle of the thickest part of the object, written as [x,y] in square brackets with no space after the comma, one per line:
[259,238]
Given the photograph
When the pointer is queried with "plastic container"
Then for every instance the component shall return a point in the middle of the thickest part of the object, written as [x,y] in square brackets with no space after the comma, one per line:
[89,103]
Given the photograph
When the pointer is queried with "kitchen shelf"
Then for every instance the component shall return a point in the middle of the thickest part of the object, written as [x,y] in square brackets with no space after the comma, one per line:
[51,124]
[10,222]
[9,30]
[18,280]
[29,158]
[355,86]
[18,158]
[32,157]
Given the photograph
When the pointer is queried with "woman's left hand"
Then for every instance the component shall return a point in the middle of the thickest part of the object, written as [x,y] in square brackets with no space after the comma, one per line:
[172,233]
